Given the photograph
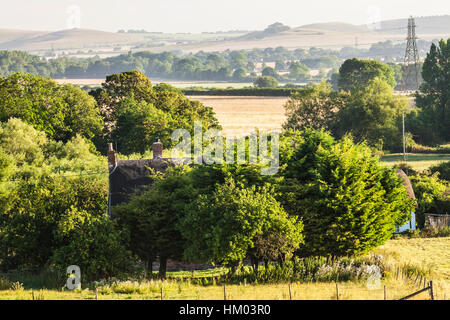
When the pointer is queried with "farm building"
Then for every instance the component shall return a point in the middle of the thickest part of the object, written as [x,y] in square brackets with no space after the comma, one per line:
[127,176]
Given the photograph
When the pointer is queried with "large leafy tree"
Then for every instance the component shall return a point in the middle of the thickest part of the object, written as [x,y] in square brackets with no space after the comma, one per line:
[298,71]
[372,113]
[266,82]
[433,97]
[61,111]
[358,73]
[172,105]
[139,124]
[313,107]
[46,180]
[348,201]
[235,221]
[92,242]
[151,217]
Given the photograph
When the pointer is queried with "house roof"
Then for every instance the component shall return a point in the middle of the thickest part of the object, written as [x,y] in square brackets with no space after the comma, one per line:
[129,175]
[407,183]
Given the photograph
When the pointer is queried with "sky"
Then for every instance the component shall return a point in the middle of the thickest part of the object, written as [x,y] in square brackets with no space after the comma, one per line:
[203,15]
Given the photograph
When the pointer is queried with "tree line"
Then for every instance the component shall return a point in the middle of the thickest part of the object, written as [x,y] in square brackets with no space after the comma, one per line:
[238,65]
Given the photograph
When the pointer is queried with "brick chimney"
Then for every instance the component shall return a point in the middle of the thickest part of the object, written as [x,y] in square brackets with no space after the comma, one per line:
[157,149]
[111,157]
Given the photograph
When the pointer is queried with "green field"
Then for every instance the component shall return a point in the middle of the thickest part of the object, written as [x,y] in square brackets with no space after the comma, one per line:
[418,161]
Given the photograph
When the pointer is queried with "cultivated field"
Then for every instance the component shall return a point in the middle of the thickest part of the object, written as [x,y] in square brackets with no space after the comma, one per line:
[240,115]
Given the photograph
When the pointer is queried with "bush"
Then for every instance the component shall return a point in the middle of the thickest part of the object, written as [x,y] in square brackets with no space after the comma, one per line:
[266,82]
[431,195]
[92,243]
[443,169]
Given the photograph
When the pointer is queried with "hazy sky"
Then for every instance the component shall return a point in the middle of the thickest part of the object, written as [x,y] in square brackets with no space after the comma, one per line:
[203,15]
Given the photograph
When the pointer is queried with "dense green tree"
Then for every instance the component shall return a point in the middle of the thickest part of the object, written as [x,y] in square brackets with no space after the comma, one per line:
[270,72]
[313,107]
[298,71]
[358,73]
[94,243]
[444,170]
[372,113]
[152,216]
[266,82]
[139,124]
[348,201]
[47,179]
[433,98]
[61,111]
[173,107]
[222,227]
[239,74]
[431,194]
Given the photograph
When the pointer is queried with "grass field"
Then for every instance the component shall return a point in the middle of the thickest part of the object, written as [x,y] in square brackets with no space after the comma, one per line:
[418,161]
[429,253]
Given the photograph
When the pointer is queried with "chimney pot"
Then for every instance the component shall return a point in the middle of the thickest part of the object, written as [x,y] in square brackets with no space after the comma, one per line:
[111,157]
[157,149]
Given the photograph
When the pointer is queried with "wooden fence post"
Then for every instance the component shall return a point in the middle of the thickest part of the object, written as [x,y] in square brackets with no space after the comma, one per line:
[96,293]
[224,292]
[290,292]
[431,290]
[337,292]
[162,297]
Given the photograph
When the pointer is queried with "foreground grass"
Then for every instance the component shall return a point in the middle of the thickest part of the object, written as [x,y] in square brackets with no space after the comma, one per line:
[426,253]
[395,289]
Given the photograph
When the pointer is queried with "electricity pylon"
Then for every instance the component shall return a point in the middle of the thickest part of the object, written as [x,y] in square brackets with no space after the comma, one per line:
[411,56]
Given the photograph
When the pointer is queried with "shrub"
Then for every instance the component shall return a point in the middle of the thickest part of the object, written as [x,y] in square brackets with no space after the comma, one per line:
[443,169]
[349,202]
[431,195]
[6,284]
[92,243]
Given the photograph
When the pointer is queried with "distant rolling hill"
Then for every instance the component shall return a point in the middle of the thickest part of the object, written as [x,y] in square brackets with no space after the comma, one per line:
[336,27]
[11,35]
[327,35]
[67,39]
[424,25]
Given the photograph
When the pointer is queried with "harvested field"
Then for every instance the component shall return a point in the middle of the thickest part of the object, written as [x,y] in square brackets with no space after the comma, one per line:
[240,115]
